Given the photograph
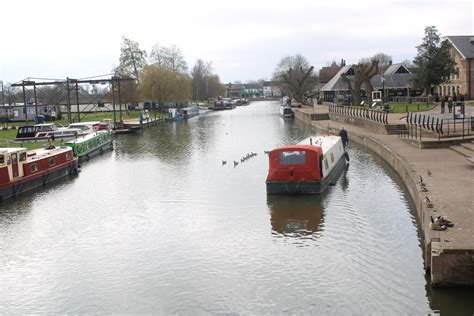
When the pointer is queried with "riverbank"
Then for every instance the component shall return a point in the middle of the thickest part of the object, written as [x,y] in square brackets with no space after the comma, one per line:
[449,254]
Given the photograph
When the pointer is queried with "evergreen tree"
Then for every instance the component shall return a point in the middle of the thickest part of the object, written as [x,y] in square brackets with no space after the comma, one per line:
[433,63]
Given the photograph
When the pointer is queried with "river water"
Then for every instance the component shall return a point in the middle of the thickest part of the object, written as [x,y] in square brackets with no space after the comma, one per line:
[161,225]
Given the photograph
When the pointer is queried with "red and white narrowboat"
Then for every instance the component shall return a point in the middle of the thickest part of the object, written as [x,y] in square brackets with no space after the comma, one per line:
[307,167]
[22,170]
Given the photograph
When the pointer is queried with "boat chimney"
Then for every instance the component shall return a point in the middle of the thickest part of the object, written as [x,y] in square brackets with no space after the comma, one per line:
[311,141]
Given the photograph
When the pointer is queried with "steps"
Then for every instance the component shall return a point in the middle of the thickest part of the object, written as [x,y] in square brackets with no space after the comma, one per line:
[395,129]
[465,149]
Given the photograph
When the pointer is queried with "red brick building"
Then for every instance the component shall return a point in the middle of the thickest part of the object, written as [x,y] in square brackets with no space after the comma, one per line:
[461,83]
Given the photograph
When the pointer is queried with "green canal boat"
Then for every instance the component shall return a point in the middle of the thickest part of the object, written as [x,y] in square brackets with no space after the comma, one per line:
[87,146]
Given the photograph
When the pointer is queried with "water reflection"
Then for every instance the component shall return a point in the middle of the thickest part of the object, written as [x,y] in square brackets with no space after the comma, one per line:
[295,216]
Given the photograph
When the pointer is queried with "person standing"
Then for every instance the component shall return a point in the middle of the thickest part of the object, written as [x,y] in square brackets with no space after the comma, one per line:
[344,137]
[450,104]
[443,103]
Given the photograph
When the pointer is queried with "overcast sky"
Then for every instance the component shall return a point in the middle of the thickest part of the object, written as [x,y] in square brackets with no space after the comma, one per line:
[244,39]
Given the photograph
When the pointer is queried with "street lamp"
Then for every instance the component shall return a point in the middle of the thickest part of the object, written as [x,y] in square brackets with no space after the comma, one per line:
[383,90]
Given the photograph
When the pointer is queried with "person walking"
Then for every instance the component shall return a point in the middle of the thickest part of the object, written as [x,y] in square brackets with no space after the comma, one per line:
[450,104]
[344,137]
[443,103]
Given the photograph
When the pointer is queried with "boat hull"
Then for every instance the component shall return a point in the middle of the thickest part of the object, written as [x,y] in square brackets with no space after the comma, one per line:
[97,151]
[39,180]
[307,187]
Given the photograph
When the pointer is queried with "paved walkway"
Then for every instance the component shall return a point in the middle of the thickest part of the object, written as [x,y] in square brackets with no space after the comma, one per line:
[449,178]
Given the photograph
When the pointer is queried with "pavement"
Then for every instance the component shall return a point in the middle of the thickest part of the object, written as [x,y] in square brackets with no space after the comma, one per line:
[448,175]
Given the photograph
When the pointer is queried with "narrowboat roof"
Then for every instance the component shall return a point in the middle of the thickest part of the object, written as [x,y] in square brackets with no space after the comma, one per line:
[326,142]
[43,152]
[7,150]
[85,137]
[83,124]
[298,147]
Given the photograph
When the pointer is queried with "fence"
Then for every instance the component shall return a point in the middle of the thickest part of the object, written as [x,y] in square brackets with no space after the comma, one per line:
[422,124]
[411,99]
[363,113]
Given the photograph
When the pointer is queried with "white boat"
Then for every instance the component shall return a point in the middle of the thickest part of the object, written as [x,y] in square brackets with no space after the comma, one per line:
[90,127]
[42,132]
[190,111]
[307,167]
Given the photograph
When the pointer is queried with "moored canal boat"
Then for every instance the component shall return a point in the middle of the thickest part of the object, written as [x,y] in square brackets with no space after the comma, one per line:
[90,145]
[44,132]
[22,170]
[287,112]
[190,111]
[307,167]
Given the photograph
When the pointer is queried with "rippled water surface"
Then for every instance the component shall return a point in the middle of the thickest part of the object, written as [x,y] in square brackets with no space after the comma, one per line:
[161,225]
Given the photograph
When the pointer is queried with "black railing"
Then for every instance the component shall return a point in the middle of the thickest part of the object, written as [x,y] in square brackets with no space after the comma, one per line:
[363,113]
[422,124]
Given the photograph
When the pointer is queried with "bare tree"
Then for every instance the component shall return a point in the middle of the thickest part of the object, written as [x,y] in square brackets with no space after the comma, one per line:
[296,76]
[12,94]
[170,57]
[384,61]
[363,73]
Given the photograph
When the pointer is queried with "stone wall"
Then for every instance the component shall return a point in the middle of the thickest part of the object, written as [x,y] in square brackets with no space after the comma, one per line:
[446,268]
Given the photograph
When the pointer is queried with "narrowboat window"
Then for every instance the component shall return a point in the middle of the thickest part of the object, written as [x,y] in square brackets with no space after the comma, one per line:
[23,156]
[332,157]
[292,158]
[326,165]
[52,161]
[68,156]
[2,159]
[33,167]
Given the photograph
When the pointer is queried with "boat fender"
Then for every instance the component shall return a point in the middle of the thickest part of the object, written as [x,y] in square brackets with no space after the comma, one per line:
[101,151]
[86,157]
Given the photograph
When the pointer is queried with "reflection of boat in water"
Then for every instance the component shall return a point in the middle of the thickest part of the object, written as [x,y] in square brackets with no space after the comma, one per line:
[294,216]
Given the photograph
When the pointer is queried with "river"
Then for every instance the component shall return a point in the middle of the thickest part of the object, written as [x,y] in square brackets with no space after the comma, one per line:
[162,225]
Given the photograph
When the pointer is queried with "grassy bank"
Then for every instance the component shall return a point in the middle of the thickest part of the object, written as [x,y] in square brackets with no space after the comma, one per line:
[410,107]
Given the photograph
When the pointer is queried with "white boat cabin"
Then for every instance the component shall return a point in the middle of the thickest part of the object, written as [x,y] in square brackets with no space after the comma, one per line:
[332,149]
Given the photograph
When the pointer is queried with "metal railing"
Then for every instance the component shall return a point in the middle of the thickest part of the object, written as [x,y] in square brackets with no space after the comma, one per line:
[406,99]
[363,113]
[429,126]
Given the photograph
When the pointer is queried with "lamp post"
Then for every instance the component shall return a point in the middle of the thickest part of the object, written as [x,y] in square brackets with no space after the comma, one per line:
[383,90]
[408,96]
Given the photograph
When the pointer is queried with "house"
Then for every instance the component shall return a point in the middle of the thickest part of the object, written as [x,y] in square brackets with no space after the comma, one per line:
[252,90]
[395,81]
[234,90]
[272,89]
[462,81]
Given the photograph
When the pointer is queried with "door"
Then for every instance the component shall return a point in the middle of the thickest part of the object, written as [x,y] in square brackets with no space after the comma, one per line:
[15,165]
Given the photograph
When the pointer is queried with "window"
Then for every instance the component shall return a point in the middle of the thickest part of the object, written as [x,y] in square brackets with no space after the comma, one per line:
[2,159]
[326,165]
[33,168]
[23,156]
[52,161]
[68,156]
[292,158]
[332,157]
